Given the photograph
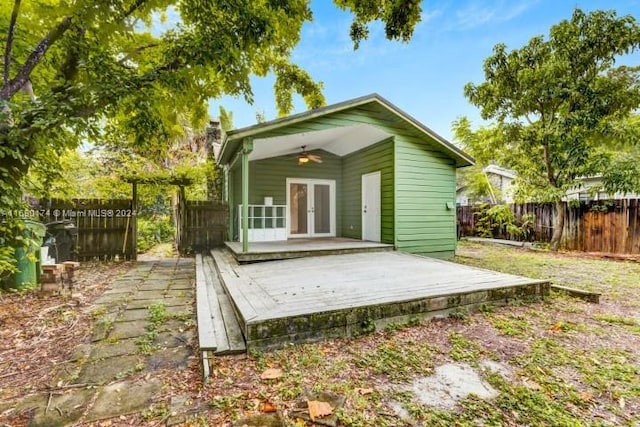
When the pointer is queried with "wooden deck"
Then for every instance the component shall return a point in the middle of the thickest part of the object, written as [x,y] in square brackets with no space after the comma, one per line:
[299,248]
[219,332]
[313,298]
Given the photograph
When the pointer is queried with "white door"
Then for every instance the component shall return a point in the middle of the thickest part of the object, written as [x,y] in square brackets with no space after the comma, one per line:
[371,207]
[311,208]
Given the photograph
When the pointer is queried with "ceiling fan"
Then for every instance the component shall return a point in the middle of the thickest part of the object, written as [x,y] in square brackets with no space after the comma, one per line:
[304,157]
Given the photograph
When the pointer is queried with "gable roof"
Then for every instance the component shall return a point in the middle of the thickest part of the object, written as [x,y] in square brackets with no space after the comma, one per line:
[497,170]
[234,138]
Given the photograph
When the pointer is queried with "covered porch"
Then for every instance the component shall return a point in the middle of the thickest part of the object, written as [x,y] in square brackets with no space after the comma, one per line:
[274,197]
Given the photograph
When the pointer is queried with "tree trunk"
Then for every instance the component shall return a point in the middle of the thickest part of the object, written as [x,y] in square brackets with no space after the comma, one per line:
[558,227]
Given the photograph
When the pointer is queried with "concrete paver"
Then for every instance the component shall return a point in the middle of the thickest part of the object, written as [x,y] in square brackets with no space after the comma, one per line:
[132,329]
[133,314]
[106,370]
[62,409]
[123,398]
[118,348]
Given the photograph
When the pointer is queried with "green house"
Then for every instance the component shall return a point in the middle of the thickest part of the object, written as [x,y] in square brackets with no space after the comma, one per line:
[360,169]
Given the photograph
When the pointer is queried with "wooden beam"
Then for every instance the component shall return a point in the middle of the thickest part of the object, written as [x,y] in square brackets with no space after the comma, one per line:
[134,224]
[247,148]
[230,200]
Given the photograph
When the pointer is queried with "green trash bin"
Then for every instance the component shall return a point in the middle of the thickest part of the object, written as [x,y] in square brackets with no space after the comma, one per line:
[28,256]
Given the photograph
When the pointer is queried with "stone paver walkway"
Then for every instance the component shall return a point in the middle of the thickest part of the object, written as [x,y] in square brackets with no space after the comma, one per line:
[143,323]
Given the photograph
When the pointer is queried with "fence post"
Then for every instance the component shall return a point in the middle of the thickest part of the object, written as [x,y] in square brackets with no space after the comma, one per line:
[134,224]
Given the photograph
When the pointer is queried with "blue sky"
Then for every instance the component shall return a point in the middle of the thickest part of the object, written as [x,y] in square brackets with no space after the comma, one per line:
[424,77]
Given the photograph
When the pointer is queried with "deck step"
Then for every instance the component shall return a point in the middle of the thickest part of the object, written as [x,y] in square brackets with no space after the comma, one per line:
[228,333]
[206,332]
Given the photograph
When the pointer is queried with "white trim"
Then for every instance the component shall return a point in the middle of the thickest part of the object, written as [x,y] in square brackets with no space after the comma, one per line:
[362,199]
[310,218]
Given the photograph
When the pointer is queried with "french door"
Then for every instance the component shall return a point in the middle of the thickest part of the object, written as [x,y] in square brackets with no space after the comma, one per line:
[311,207]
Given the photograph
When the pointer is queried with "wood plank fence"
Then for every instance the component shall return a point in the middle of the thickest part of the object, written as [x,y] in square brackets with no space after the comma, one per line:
[611,226]
[104,226]
[200,225]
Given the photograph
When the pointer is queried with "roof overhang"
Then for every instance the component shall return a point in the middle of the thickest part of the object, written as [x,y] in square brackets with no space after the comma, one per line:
[333,140]
[340,141]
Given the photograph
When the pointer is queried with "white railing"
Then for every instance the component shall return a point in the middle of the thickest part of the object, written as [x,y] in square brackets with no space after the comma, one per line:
[267,223]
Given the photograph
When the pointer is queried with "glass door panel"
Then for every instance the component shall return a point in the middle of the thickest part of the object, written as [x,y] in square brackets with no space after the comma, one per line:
[298,208]
[321,209]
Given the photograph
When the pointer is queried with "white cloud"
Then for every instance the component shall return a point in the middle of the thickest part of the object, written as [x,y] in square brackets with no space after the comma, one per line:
[479,14]
[330,47]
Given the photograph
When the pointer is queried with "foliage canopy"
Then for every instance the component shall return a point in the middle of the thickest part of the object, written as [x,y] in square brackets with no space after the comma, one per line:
[129,73]
[560,102]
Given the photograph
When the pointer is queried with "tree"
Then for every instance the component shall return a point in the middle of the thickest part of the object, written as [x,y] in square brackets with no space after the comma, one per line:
[558,102]
[481,145]
[105,70]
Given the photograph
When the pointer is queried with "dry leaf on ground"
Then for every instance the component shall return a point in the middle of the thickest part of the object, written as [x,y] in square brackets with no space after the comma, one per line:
[557,327]
[268,407]
[271,374]
[318,409]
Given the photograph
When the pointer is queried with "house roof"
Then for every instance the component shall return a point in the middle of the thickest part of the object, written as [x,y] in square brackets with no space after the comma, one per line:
[360,135]
[507,173]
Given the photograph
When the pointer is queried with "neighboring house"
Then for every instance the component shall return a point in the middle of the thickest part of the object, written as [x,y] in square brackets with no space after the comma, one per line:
[383,177]
[590,188]
[501,179]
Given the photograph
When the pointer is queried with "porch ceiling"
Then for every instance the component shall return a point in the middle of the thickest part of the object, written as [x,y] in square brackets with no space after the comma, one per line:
[339,141]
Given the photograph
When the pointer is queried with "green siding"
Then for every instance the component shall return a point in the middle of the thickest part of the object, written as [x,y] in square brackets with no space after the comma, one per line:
[425,182]
[378,157]
[267,178]
[417,179]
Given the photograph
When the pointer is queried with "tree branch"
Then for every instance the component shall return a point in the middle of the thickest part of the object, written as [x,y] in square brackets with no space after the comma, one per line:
[136,51]
[14,85]
[11,87]
[10,34]
[135,6]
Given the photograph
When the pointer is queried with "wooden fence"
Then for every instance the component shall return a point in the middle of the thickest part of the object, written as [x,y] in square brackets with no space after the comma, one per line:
[611,226]
[200,225]
[104,226]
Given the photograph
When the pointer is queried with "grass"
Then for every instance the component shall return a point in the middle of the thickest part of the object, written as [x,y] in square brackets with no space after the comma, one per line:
[157,316]
[464,349]
[397,360]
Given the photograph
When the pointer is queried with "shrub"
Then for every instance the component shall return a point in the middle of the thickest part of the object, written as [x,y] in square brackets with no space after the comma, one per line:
[154,230]
[500,221]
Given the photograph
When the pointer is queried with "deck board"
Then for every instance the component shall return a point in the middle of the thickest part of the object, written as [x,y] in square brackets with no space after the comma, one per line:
[228,333]
[206,333]
[249,300]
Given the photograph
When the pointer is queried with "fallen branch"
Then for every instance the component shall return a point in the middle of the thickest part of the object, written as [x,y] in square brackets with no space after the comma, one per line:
[48,403]
[9,375]
[68,386]
[162,420]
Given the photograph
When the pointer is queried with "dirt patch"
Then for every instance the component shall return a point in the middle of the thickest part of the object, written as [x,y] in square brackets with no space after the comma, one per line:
[40,332]
[449,384]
